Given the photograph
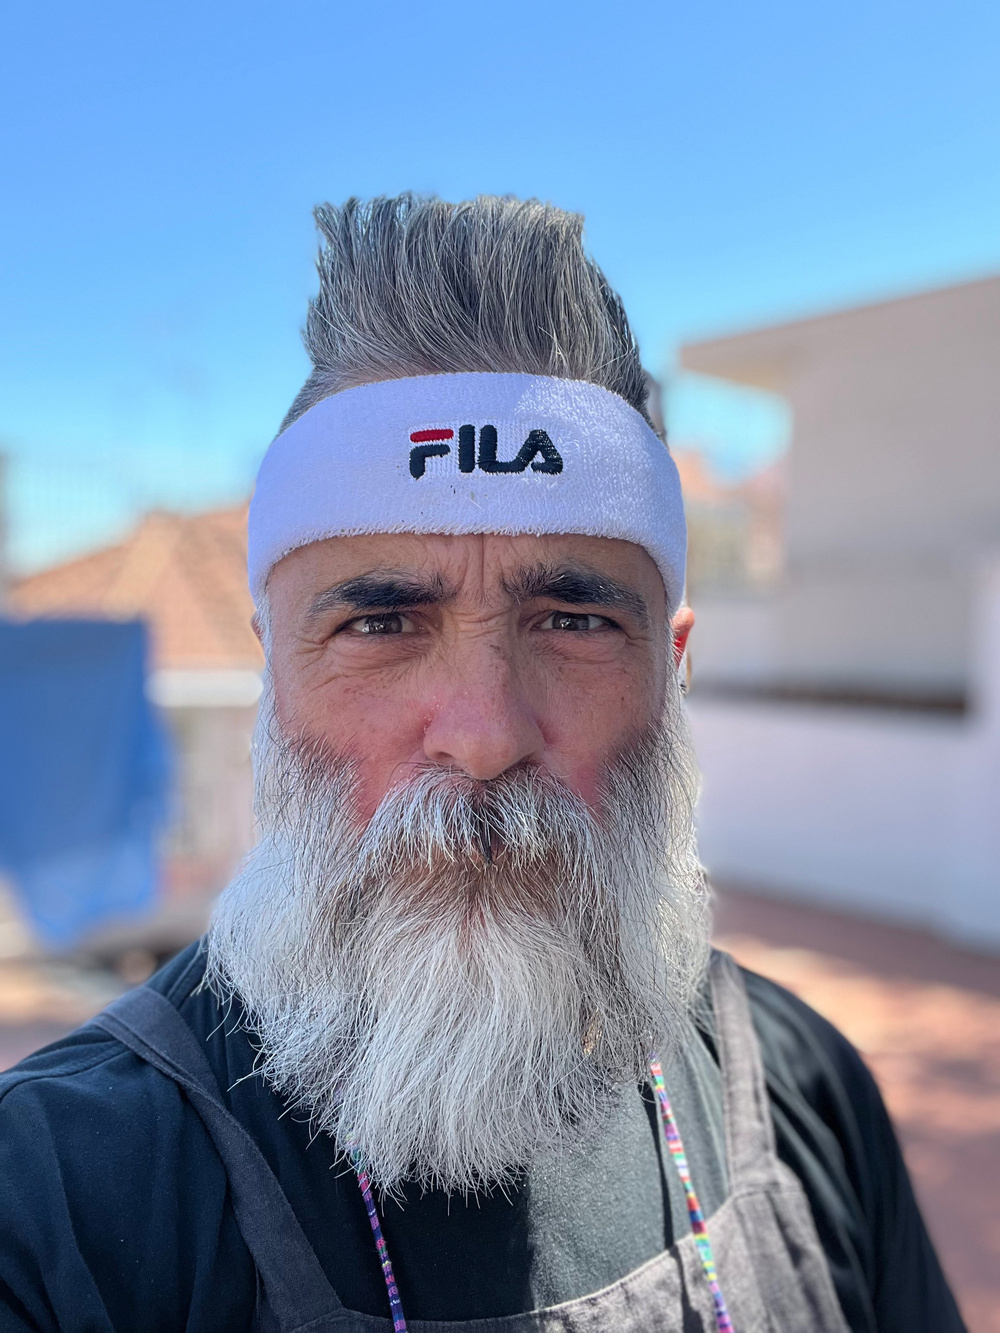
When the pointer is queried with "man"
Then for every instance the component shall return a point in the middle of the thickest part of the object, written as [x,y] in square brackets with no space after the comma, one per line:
[454,1053]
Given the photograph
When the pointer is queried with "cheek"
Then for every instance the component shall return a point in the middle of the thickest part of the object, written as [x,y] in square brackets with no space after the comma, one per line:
[588,726]
[378,768]
[381,731]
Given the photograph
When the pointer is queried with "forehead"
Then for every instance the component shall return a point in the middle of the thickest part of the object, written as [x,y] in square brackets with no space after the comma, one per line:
[477,565]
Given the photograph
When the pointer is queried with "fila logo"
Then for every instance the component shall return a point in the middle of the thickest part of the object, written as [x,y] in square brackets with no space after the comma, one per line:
[538,450]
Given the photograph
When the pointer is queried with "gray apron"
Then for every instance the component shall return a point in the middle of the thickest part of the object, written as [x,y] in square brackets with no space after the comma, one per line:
[770,1263]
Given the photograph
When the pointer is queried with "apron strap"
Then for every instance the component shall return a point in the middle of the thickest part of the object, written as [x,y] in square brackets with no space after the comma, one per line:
[750,1146]
[296,1288]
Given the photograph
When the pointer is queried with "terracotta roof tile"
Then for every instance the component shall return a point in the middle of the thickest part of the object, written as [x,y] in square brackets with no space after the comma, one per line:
[185,575]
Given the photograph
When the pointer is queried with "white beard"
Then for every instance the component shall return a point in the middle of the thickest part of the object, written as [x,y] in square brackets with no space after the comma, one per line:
[470,978]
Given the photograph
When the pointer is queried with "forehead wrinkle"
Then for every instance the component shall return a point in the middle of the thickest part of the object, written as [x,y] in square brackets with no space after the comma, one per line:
[576,584]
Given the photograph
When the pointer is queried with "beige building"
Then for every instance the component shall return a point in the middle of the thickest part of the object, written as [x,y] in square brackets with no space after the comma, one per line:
[893,495]
[847,710]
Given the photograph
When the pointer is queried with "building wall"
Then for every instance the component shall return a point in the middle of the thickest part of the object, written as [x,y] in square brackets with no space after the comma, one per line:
[895,813]
[893,487]
[211,828]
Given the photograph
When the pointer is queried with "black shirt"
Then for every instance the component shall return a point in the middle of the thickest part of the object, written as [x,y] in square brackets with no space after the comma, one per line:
[115,1214]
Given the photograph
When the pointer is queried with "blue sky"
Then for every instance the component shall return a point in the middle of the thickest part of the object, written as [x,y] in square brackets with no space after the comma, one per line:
[737,163]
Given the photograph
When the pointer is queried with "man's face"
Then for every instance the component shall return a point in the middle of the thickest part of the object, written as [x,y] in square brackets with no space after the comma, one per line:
[476,903]
[476,653]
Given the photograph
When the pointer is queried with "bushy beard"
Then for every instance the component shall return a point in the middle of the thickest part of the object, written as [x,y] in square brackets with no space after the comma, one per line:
[472,976]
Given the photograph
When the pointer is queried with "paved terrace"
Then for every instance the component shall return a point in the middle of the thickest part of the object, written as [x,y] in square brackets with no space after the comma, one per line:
[926,1017]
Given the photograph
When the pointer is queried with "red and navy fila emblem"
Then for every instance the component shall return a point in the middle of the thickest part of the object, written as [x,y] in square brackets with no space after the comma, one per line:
[538,450]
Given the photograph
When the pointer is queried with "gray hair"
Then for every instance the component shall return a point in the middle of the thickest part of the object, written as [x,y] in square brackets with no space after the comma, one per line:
[467,981]
[418,286]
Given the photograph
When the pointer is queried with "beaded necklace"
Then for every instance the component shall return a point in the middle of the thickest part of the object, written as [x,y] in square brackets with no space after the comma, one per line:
[675,1146]
[395,1304]
[698,1226]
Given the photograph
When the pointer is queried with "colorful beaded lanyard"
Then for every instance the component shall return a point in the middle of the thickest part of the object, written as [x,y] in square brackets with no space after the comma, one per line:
[395,1304]
[675,1146]
[700,1230]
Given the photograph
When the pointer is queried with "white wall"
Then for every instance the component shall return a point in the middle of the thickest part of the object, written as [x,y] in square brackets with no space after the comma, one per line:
[735,638]
[893,482]
[212,827]
[892,813]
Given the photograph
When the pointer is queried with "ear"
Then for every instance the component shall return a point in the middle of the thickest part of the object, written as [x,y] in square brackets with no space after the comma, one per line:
[681,626]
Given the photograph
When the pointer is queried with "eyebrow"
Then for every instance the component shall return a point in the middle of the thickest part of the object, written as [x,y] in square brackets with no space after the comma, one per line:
[380,590]
[577,585]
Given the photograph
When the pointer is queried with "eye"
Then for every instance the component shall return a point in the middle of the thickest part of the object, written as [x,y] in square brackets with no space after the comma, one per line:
[388,622]
[575,621]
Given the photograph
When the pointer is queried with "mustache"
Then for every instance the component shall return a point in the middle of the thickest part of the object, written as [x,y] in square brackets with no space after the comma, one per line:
[480,820]
[483,821]
[440,843]
[487,811]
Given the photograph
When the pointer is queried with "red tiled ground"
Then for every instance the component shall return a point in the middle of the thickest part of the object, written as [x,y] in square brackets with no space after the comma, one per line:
[925,1015]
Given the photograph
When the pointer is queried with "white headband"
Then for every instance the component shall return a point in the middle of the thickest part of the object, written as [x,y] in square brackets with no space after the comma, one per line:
[465,454]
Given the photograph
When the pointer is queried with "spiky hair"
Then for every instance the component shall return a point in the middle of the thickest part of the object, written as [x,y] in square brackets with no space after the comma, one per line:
[417,286]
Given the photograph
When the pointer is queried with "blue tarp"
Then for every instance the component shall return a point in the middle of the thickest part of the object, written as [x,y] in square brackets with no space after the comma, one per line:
[83,773]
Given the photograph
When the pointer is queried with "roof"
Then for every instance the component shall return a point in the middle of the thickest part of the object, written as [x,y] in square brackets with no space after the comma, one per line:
[185,575]
[702,486]
[770,356]
[698,484]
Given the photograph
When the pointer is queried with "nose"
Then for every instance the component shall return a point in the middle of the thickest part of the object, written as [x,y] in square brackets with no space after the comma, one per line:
[485,723]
